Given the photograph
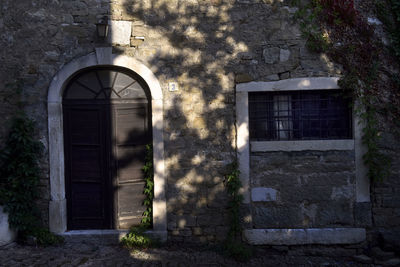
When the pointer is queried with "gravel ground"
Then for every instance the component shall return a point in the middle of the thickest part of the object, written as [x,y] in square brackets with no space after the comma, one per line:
[86,254]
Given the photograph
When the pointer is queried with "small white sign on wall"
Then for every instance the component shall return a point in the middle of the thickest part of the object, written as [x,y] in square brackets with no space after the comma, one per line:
[173,86]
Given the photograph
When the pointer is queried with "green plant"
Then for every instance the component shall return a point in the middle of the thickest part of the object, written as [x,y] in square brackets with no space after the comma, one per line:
[44,237]
[359,53]
[19,174]
[137,238]
[316,41]
[233,246]
[19,180]
[148,170]
[388,12]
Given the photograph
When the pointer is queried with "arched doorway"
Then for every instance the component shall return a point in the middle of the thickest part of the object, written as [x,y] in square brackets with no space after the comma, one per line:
[102,57]
[106,128]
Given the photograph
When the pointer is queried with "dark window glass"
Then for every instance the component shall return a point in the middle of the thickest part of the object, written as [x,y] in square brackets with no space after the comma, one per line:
[104,83]
[299,115]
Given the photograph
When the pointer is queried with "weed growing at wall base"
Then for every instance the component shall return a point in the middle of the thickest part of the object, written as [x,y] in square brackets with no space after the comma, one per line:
[137,237]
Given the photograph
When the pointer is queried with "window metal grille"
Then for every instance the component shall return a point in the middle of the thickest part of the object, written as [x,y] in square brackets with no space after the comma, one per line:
[299,115]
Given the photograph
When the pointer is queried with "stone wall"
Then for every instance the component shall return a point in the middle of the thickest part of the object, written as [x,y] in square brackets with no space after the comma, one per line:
[386,196]
[204,47]
[38,37]
[312,189]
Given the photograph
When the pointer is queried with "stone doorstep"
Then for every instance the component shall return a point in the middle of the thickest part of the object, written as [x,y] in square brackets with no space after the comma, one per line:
[322,236]
[105,237]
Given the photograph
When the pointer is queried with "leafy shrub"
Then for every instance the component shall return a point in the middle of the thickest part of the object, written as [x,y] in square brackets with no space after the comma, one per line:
[19,182]
[19,175]
[44,237]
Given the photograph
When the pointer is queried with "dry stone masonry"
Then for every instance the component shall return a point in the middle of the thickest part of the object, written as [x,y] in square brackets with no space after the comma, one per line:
[205,48]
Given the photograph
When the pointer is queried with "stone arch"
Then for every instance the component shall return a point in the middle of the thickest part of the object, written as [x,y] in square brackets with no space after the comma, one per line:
[102,57]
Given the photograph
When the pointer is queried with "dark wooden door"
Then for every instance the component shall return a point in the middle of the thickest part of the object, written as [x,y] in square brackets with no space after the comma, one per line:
[87,167]
[105,134]
[130,136]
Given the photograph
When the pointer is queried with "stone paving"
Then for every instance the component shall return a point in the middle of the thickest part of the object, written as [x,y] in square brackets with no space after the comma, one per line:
[86,254]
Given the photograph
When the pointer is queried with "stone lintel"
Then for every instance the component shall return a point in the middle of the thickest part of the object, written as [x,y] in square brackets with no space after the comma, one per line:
[323,236]
[309,83]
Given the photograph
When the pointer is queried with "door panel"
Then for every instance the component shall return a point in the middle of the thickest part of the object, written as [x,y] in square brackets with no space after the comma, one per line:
[130,137]
[87,178]
[86,163]
[131,124]
[130,208]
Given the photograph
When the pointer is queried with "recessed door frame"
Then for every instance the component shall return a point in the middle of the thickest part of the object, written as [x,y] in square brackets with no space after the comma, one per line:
[102,57]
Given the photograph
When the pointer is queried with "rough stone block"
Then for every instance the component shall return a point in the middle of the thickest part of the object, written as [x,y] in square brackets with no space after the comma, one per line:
[284,75]
[335,213]
[136,42]
[271,55]
[197,231]
[284,55]
[185,221]
[324,236]
[362,214]
[391,239]
[262,194]
[277,216]
[273,77]
[243,78]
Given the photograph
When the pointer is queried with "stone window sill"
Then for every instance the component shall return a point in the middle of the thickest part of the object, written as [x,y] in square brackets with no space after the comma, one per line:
[317,145]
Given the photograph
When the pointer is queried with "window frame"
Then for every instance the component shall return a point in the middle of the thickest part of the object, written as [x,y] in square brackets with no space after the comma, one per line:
[245,147]
[300,115]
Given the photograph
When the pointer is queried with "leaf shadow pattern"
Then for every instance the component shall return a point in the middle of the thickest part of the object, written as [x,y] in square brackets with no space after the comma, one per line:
[207,46]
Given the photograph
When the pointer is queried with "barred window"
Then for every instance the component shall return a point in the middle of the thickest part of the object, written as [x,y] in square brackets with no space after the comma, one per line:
[299,115]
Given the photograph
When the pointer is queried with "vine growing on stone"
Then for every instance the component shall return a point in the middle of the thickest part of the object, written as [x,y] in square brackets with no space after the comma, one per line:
[19,181]
[137,237]
[349,40]
[233,245]
[148,191]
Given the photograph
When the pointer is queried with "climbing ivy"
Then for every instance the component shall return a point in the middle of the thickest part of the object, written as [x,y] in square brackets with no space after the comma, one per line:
[233,245]
[148,170]
[137,237]
[19,174]
[336,28]
[388,12]
[19,181]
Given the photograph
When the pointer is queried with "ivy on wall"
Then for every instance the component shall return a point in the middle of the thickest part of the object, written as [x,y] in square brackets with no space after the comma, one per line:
[19,181]
[137,237]
[336,28]
[148,170]
[234,246]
